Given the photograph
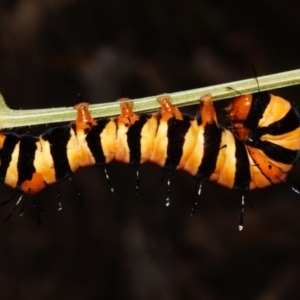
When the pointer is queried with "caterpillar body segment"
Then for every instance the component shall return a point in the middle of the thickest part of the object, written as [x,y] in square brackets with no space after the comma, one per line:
[135,135]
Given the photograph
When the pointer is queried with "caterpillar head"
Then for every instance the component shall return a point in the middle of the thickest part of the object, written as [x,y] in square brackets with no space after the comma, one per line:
[236,116]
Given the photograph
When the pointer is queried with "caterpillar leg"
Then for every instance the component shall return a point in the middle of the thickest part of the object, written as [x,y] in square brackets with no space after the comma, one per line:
[77,190]
[241,223]
[168,196]
[23,207]
[292,185]
[10,199]
[112,190]
[59,197]
[59,194]
[15,206]
[137,181]
[38,209]
[21,197]
[199,190]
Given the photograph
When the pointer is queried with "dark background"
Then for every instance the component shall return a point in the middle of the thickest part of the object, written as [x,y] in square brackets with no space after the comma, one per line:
[127,247]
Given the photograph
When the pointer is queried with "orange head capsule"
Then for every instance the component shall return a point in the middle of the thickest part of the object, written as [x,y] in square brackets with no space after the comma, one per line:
[238,109]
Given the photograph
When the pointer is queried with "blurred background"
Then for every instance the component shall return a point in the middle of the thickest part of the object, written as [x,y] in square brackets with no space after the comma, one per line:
[127,247]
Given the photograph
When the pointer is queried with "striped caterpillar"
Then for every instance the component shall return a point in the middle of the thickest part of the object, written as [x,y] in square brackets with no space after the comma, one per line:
[257,148]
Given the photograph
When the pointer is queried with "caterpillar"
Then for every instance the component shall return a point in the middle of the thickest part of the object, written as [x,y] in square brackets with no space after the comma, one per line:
[257,148]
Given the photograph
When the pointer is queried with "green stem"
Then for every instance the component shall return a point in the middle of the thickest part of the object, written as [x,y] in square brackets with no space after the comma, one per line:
[10,118]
